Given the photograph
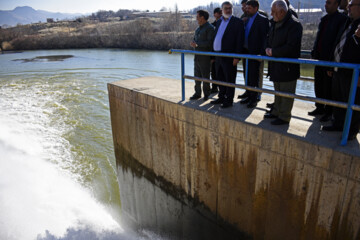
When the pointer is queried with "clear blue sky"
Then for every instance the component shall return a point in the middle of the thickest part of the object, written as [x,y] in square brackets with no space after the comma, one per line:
[89,6]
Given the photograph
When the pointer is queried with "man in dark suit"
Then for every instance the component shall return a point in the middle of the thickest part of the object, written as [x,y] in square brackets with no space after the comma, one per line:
[284,40]
[256,30]
[229,38]
[347,50]
[217,16]
[323,49]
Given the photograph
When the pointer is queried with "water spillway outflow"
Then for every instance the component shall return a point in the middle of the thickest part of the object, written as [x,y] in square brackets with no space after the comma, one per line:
[38,200]
[39,197]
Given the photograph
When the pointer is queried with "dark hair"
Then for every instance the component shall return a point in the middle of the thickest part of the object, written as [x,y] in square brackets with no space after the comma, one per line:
[226,3]
[203,13]
[253,3]
[243,1]
[338,2]
[217,10]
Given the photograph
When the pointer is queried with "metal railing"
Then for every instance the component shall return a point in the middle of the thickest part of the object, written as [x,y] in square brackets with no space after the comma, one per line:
[350,106]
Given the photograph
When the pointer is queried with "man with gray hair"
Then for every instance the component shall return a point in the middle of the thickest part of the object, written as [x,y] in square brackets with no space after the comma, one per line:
[229,38]
[284,40]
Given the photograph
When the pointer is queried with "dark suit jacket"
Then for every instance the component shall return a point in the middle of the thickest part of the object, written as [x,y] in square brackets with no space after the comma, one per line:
[285,40]
[233,38]
[329,27]
[351,50]
[258,34]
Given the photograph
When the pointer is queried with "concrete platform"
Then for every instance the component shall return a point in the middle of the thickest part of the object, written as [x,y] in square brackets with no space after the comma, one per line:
[301,126]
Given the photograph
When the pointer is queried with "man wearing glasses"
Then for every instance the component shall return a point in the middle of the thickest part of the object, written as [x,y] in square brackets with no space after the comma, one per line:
[347,50]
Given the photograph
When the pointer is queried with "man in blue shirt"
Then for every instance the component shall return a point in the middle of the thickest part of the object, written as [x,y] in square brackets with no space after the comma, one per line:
[256,30]
[229,38]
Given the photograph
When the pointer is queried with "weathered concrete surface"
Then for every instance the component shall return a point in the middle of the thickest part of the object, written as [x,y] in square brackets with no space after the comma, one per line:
[271,182]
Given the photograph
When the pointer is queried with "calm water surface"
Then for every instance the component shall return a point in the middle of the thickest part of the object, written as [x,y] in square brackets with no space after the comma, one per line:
[57,165]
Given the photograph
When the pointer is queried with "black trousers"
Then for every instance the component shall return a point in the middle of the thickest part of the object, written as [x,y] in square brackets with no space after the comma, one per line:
[253,78]
[323,86]
[226,72]
[202,69]
[340,91]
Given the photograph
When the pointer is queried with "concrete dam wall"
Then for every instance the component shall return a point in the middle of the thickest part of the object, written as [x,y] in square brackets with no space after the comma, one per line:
[269,183]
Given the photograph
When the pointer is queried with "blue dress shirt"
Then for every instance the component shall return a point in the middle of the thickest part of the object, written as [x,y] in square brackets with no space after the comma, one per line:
[250,22]
[220,34]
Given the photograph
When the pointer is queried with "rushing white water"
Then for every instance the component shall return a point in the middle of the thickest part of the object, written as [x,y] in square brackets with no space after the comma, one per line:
[37,198]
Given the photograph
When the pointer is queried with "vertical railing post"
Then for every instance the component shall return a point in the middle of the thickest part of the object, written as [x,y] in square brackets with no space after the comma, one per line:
[246,71]
[182,77]
[349,111]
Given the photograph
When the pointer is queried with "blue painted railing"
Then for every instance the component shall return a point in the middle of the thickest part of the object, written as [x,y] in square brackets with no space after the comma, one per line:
[350,106]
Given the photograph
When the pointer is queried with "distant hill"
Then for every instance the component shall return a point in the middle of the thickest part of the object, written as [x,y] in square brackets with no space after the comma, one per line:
[26,15]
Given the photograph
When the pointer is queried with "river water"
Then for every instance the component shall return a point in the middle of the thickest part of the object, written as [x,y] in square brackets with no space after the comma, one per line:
[57,167]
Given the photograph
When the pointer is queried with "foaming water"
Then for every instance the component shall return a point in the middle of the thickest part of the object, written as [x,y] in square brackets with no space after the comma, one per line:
[38,197]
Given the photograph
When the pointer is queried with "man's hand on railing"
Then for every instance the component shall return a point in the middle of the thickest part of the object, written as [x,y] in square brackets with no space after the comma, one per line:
[235,61]
[269,52]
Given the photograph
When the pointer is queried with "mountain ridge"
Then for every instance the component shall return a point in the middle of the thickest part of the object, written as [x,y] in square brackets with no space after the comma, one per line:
[26,15]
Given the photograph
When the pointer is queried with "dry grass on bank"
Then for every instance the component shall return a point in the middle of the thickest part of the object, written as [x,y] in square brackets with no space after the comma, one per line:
[141,33]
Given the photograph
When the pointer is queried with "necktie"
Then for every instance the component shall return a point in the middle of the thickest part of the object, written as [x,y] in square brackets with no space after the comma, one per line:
[339,48]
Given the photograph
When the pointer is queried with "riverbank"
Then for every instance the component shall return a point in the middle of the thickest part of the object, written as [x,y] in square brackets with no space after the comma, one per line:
[140,33]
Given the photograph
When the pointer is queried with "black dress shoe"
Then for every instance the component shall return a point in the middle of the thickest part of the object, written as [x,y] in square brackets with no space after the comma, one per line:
[217,101]
[270,105]
[279,121]
[195,96]
[206,98]
[226,105]
[244,95]
[269,115]
[317,111]
[332,128]
[245,100]
[325,118]
[252,104]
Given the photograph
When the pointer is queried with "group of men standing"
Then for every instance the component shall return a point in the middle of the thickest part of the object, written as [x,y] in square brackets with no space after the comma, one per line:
[337,40]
